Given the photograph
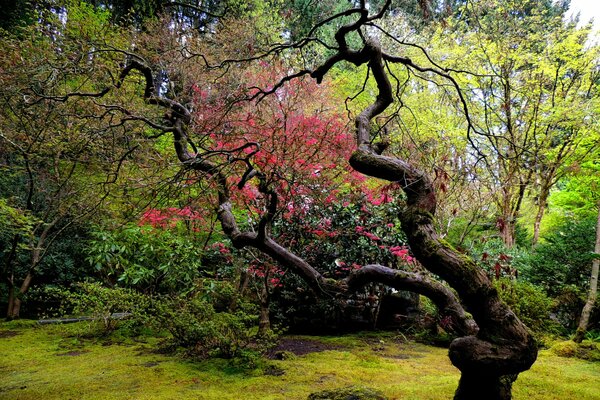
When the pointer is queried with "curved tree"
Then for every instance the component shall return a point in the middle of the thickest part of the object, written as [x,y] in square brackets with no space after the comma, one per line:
[491,353]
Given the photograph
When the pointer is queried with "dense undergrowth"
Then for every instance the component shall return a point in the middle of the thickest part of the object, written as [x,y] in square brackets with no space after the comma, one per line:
[62,362]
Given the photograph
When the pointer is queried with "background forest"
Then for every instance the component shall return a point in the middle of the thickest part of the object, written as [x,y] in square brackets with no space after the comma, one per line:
[498,102]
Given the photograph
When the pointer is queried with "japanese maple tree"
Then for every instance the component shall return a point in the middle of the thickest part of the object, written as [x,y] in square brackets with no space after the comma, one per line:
[261,153]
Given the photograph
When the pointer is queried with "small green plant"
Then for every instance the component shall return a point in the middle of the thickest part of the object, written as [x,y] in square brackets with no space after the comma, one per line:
[106,307]
[593,336]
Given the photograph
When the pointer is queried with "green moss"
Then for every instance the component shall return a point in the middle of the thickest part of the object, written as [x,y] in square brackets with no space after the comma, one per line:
[401,274]
[19,323]
[586,350]
[42,363]
[348,393]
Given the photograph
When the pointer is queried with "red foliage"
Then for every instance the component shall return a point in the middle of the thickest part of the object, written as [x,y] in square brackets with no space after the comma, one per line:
[302,142]
[169,217]
[267,271]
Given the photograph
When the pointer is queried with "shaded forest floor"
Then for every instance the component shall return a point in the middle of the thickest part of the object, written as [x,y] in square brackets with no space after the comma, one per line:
[41,362]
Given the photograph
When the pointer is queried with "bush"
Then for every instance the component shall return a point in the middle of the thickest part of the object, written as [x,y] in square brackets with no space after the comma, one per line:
[337,239]
[564,258]
[150,260]
[105,306]
[529,303]
[211,321]
[498,260]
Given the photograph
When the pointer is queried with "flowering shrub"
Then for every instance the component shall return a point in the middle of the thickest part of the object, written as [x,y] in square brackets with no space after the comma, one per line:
[337,239]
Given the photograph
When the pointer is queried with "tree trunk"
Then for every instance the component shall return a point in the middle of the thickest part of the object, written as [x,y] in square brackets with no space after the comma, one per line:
[490,359]
[591,300]
[508,233]
[507,221]
[474,386]
[264,322]
[11,301]
[14,309]
[36,256]
[10,275]
[503,347]
[542,204]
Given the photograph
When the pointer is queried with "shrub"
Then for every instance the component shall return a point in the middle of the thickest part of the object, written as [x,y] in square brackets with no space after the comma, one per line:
[498,260]
[529,303]
[211,321]
[565,349]
[148,259]
[337,239]
[564,258]
[105,306]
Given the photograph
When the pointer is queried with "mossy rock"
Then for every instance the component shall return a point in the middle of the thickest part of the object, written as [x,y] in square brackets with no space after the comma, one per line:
[587,350]
[348,393]
[565,349]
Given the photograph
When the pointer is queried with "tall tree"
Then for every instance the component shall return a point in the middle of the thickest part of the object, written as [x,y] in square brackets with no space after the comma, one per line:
[593,289]
[580,197]
[531,92]
[489,354]
[59,153]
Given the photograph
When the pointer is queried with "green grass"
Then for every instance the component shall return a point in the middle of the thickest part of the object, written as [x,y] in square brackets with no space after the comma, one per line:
[41,363]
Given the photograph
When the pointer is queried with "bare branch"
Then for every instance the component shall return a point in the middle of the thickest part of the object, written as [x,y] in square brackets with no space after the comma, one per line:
[442,296]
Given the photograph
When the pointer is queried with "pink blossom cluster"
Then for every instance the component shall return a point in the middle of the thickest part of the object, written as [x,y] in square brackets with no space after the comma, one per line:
[221,248]
[362,231]
[402,253]
[342,266]
[264,270]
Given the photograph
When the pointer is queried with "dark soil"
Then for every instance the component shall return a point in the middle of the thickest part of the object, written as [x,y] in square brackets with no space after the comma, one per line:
[7,334]
[72,353]
[150,364]
[299,347]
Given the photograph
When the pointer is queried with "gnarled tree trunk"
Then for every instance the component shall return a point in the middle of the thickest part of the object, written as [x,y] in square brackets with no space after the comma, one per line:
[490,357]
[593,291]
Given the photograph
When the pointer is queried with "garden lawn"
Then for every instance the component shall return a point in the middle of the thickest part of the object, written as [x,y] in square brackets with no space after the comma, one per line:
[39,362]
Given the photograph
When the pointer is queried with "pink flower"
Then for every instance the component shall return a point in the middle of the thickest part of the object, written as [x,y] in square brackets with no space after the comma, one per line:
[371,236]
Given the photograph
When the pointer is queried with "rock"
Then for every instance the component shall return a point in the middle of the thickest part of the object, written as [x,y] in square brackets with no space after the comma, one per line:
[348,393]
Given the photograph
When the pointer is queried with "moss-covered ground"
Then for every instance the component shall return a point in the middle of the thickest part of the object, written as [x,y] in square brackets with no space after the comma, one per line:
[41,362]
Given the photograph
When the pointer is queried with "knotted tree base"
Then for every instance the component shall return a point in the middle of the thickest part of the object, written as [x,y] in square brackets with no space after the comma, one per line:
[473,386]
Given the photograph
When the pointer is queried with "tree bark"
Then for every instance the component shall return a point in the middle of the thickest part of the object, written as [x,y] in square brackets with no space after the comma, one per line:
[503,347]
[264,322]
[442,296]
[14,309]
[541,209]
[475,386]
[11,301]
[9,270]
[593,292]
